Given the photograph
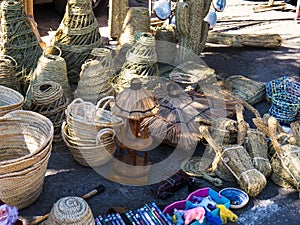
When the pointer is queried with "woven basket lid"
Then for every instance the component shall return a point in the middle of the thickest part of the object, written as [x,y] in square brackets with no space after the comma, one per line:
[135,102]
[72,211]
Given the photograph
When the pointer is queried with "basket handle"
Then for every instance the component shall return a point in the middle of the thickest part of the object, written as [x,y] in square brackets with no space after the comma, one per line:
[77,100]
[102,132]
[106,101]
[4,57]
[84,108]
[51,46]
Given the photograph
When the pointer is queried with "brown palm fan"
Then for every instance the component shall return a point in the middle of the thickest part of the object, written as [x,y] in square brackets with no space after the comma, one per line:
[76,36]
[134,104]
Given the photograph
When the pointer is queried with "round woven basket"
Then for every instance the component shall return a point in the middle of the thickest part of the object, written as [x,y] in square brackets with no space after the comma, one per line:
[71,211]
[91,154]
[10,100]
[22,188]
[8,76]
[85,119]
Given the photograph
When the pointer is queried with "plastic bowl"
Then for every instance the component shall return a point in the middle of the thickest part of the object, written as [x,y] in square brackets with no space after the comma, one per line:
[238,198]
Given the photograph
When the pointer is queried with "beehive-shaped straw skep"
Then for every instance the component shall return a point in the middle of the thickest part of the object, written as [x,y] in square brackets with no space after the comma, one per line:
[94,78]
[18,40]
[141,62]
[76,36]
[50,67]
[72,211]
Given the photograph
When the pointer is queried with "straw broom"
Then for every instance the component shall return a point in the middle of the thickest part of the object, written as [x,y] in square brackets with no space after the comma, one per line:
[237,160]
[295,126]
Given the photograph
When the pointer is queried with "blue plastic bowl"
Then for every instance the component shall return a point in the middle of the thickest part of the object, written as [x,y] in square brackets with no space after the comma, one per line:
[237,197]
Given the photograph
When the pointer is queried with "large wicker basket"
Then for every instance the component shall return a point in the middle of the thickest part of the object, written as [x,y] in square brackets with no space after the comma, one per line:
[25,148]
[10,100]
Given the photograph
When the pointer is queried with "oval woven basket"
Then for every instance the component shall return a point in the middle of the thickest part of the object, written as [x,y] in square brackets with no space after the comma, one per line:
[25,135]
[24,187]
[71,210]
[91,155]
[85,119]
[10,100]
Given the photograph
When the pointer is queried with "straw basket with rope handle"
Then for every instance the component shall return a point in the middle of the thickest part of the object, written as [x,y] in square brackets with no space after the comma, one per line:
[26,142]
[286,160]
[10,100]
[85,119]
[71,210]
[76,36]
[18,40]
[239,163]
[91,154]
[8,75]
[48,99]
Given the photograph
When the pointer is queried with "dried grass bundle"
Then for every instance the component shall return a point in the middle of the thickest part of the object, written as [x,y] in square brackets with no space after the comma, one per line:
[295,126]
[76,36]
[247,89]
[18,40]
[239,163]
[286,160]
[257,147]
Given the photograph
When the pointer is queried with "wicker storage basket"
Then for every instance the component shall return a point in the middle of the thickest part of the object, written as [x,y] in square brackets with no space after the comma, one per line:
[76,36]
[26,141]
[10,100]
[85,119]
[91,154]
[18,40]
[94,82]
[8,75]
[71,211]
[48,99]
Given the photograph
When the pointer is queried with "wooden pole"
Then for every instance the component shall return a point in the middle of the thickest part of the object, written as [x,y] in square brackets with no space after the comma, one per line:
[117,13]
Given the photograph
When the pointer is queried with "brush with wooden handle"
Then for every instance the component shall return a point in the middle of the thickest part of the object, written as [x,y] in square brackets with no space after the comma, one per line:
[92,193]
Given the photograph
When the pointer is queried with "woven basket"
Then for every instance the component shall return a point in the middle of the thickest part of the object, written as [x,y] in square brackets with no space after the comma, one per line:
[9,100]
[71,211]
[91,154]
[76,36]
[140,62]
[48,99]
[94,82]
[8,76]
[18,40]
[23,188]
[249,90]
[50,67]
[26,141]
[85,119]
[285,107]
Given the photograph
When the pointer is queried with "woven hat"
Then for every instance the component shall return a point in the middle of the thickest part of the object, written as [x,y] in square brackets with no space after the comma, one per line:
[135,102]
[71,211]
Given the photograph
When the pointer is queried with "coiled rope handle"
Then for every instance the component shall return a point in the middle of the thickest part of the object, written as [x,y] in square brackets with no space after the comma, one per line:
[103,132]
[7,58]
[106,101]
[48,52]
[82,105]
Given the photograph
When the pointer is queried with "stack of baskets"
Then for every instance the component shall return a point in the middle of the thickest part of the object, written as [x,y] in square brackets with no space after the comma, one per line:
[89,132]
[284,93]
[10,100]
[25,148]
